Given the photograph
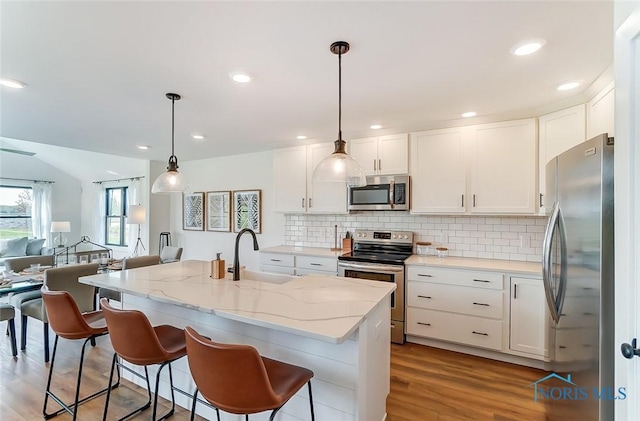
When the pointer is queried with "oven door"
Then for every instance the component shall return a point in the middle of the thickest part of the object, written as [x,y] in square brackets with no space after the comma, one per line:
[382,273]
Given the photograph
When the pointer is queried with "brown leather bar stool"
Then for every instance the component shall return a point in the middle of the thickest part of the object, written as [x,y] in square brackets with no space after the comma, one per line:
[137,342]
[236,379]
[67,322]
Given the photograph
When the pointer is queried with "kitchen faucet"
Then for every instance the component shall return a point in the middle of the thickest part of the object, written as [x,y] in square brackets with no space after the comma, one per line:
[236,261]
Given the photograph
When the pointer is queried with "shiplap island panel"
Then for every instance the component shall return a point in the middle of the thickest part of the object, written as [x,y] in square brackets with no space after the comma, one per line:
[333,326]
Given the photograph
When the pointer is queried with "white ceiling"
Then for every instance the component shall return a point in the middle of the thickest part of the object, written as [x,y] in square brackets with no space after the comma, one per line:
[97,72]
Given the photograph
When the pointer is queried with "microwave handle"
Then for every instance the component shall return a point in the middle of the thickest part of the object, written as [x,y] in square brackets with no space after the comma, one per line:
[392,194]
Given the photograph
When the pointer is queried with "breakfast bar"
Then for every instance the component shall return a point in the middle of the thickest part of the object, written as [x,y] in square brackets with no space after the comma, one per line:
[337,327]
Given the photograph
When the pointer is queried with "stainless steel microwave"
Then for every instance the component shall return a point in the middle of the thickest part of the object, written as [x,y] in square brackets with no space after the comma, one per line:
[381,193]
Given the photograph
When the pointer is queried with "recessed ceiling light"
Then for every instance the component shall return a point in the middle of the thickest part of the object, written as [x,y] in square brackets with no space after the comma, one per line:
[143,147]
[112,172]
[241,77]
[301,137]
[198,136]
[11,83]
[567,86]
[527,47]
[375,126]
[469,114]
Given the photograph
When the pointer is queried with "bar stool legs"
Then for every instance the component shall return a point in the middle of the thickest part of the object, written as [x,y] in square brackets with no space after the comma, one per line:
[117,364]
[71,409]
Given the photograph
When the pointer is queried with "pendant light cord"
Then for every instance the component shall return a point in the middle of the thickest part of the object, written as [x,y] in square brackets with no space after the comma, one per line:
[173,102]
[340,95]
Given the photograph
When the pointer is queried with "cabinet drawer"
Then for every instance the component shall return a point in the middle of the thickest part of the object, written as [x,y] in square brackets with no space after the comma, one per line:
[329,264]
[302,272]
[276,259]
[455,299]
[469,330]
[277,269]
[470,278]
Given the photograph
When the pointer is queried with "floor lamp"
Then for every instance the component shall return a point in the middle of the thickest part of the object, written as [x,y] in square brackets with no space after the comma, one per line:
[136,214]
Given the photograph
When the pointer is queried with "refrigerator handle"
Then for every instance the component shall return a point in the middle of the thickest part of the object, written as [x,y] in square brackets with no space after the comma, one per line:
[562,288]
[547,273]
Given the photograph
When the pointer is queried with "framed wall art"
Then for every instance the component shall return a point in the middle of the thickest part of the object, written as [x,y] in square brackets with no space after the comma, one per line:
[193,211]
[218,211]
[247,206]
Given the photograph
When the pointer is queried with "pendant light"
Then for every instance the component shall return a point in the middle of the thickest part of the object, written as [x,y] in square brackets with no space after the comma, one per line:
[339,167]
[171,181]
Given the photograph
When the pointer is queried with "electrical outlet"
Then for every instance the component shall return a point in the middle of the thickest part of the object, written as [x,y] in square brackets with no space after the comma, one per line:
[525,241]
[442,238]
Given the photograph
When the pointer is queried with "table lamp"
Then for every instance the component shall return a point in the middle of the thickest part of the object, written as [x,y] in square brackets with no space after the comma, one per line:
[136,214]
[60,227]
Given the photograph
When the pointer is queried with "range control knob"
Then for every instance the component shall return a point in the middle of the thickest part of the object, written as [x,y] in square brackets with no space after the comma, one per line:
[406,237]
[395,236]
[364,234]
[359,234]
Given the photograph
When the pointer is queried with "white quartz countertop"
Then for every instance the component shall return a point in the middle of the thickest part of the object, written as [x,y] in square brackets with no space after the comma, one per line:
[327,308]
[303,251]
[494,265]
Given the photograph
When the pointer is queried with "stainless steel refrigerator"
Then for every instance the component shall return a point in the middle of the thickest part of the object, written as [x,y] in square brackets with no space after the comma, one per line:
[578,276]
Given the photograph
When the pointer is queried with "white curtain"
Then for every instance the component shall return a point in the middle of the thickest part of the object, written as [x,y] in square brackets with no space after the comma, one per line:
[41,210]
[96,195]
[134,197]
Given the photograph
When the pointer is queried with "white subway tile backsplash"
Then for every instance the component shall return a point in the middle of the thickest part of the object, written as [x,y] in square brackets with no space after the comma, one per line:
[485,237]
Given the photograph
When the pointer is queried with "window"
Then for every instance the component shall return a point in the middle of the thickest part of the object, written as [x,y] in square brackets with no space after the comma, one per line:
[117,230]
[15,212]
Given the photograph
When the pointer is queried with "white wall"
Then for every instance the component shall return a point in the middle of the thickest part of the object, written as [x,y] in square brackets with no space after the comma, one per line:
[238,172]
[65,192]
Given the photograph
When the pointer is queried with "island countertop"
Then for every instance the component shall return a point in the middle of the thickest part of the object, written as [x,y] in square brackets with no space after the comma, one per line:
[327,308]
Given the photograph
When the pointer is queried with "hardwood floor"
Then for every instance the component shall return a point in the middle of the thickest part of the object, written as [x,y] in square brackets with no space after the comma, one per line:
[427,384]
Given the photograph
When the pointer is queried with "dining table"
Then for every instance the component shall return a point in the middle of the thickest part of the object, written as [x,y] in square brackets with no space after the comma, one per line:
[11,283]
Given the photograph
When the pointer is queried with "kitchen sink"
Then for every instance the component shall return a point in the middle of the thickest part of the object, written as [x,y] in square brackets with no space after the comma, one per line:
[272,278]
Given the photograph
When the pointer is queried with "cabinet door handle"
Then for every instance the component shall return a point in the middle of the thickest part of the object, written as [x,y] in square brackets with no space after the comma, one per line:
[515,291]
[275,260]
[424,296]
[474,200]
[309,202]
[479,333]
[303,203]
[481,304]
[463,200]
[481,280]
[379,165]
[424,324]
[315,264]
[541,195]
[425,275]
[374,164]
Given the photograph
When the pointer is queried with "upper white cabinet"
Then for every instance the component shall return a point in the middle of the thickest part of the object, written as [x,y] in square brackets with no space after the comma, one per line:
[559,132]
[381,155]
[600,112]
[438,171]
[503,167]
[295,192]
[488,169]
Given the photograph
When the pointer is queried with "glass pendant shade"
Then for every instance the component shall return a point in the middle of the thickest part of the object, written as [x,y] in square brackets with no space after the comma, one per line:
[339,168]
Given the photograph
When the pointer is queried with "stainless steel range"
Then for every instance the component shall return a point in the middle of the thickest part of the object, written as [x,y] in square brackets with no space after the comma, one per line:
[380,256]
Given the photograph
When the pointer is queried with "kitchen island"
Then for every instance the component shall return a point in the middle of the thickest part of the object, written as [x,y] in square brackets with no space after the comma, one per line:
[337,327]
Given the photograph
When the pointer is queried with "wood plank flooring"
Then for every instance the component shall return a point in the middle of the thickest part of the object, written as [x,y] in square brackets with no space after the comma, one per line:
[427,384]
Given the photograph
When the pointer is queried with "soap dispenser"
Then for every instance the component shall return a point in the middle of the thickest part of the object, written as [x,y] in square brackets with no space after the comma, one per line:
[217,267]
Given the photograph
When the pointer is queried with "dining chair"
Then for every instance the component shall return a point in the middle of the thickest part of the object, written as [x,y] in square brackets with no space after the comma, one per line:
[129,263]
[8,313]
[236,379]
[59,279]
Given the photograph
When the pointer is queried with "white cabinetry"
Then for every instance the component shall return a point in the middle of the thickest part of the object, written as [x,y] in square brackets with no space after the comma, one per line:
[529,320]
[460,306]
[292,264]
[559,132]
[438,171]
[600,113]
[295,193]
[381,155]
[487,169]
[503,167]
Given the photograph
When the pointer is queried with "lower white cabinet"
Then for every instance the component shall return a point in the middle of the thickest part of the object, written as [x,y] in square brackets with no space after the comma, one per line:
[478,309]
[528,319]
[293,264]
